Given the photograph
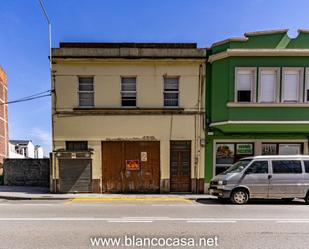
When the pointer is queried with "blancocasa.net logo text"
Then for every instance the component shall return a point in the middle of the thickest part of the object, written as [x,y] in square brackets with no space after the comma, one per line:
[135,241]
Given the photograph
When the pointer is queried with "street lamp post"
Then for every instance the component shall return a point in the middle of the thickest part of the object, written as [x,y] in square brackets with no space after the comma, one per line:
[49,34]
[50,67]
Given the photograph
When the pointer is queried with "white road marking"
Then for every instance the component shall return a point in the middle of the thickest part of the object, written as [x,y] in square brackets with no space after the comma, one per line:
[151,219]
[146,218]
[211,221]
[129,221]
[292,221]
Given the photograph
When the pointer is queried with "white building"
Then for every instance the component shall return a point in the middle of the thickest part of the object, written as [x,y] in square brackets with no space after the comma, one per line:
[24,149]
[38,151]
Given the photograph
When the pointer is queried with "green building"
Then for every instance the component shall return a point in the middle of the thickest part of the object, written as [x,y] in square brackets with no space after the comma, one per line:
[257,98]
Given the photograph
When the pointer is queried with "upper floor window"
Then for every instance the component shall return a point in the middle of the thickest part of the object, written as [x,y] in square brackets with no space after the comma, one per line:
[292,85]
[171,91]
[86,91]
[245,84]
[128,91]
[268,85]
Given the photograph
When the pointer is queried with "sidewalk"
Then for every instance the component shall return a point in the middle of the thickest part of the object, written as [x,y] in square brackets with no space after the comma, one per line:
[39,193]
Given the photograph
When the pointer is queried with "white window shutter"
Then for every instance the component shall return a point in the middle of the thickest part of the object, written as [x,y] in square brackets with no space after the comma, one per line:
[268,83]
[291,84]
[244,80]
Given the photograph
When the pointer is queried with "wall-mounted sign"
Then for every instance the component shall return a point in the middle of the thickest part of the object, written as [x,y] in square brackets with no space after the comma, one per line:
[269,149]
[144,156]
[244,149]
[132,165]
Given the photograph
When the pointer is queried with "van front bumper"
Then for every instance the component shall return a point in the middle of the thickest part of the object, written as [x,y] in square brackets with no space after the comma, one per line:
[222,193]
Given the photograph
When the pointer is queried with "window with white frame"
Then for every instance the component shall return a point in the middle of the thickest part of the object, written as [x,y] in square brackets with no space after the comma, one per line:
[307,86]
[245,84]
[171,91]
[268,85]
[128,91]
[292,85]
[86,91]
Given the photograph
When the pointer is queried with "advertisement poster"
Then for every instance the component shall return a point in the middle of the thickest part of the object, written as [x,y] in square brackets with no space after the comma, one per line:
[132,165]
[225,153]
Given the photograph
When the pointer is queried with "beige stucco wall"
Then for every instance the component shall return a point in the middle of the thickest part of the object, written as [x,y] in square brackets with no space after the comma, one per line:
[107,80]
[96,129]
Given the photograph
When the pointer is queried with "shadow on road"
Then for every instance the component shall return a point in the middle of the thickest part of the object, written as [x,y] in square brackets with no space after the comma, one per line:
[251,202]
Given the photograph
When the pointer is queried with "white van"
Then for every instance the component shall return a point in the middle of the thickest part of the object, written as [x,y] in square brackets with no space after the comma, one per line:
[272,177]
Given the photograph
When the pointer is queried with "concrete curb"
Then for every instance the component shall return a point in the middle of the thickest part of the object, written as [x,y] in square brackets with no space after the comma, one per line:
[34,198]
[4,197]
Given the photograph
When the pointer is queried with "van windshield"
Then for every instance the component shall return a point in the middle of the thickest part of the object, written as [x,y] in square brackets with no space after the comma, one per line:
[238,167]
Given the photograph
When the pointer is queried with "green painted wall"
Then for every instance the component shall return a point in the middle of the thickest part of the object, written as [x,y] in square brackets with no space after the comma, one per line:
[223,85]
[209,160]
[220,77]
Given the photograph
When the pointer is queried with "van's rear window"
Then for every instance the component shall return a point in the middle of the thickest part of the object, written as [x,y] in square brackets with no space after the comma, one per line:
[286,167]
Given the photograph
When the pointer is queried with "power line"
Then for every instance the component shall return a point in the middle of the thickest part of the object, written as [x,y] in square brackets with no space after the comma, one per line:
[34,95]
[30,97]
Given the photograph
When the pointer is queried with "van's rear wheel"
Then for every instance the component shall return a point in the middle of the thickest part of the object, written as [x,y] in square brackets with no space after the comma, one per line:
[240,196]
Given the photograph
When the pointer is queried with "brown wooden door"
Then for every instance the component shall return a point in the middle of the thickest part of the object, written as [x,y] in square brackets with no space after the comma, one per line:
[116,175]
[180,166]
[112,170]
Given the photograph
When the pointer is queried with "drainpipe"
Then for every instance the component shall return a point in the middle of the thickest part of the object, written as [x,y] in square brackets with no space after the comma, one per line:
[198,126]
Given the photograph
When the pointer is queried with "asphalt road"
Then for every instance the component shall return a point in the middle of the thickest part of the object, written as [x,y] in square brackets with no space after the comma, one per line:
[72,224]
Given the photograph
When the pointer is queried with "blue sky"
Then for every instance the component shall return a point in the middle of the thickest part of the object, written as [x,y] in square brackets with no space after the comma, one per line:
[24,37]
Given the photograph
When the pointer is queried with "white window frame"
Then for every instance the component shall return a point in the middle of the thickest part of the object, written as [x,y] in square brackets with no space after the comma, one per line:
[301,83]
[121,92]
[253,87]
[306,84]
[277,87]
[178,92]
[93,91]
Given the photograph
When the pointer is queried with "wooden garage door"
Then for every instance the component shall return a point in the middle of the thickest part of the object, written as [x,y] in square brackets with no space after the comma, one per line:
[74,175]
[180,166]
[117,177]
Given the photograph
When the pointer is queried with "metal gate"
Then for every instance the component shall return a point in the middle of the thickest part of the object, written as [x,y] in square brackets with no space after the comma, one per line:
[75,175]
[131,166]
[180,166]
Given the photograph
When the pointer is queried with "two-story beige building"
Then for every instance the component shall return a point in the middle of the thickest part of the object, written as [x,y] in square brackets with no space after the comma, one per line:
[128,117]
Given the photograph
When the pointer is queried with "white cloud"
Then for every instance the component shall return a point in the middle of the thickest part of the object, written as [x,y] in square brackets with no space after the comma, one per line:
[43,138]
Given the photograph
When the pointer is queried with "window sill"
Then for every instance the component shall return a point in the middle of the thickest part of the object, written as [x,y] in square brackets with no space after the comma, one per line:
[296,105]
[130,110]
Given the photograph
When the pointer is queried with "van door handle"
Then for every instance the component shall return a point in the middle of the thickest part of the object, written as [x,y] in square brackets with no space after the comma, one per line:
[270,176]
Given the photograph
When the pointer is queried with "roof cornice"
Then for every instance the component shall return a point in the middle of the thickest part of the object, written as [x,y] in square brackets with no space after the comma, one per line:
[258,52]
[267,32]
[128,53]
[232,39]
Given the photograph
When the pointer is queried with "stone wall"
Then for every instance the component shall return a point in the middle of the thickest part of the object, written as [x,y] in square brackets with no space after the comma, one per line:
[26,172]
